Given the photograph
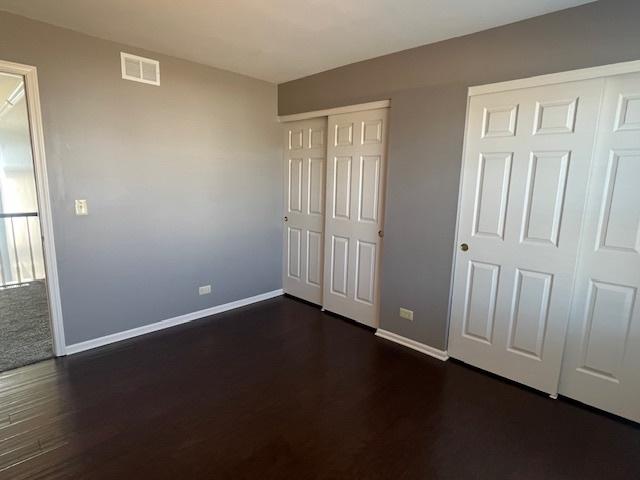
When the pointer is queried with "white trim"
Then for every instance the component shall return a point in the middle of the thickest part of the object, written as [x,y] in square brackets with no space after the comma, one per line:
[335,111]
[560,77]
[30,75]
[168,323]
[125,55]
[407,342]
[455,241]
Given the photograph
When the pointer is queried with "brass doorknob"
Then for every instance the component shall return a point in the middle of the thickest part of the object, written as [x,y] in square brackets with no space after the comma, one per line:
[286,219]
[380,233]
[464,247]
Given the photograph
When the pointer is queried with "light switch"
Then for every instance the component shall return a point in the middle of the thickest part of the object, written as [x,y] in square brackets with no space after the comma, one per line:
[81,207]
[405,313]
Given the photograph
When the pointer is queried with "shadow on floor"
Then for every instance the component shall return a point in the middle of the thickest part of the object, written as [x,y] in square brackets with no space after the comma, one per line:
[280,390]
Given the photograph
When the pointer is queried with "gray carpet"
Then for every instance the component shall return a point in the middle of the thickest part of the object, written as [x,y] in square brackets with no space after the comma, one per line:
[25,334]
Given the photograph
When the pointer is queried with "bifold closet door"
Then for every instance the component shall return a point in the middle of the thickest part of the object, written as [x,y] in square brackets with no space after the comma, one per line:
[525,170]
[602,359]
[304,171]
[356,154]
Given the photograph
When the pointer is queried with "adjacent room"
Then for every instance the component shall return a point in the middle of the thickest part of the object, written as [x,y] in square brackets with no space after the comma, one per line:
[25,335]
[320,239]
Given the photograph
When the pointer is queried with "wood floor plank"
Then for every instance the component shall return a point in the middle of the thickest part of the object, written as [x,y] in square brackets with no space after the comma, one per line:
[280,390]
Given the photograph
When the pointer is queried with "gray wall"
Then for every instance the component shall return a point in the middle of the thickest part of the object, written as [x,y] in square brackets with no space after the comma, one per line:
[427,87]
[183,180]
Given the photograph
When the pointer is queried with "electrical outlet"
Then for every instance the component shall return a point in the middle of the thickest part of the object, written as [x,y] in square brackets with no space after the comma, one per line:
[204,290]
[408,314]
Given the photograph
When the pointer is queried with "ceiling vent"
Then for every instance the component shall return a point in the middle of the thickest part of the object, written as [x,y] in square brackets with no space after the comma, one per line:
[140,69]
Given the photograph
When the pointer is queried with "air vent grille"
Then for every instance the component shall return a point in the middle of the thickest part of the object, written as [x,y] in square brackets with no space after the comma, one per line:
[140,69]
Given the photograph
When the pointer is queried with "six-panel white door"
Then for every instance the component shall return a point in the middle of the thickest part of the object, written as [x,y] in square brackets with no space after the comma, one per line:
[356,154]
[525,171]
[304,172]
[602,359]
[528,160]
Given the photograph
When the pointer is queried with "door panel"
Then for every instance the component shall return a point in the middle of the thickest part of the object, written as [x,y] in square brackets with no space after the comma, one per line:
[342,187]
[601,366]
[355,179]
[295,135]
[339,265]
[620,222]
[555,116]
[492,191]
[294,244]
[369,188]
[295,185]
[608,310]
[305,160]
[526,166]
[314,258]
[480,301]
[529,312]
[316,186]
[544,197]
[366,272]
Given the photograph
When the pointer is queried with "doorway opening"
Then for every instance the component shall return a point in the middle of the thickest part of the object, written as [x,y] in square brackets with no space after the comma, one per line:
[27,329]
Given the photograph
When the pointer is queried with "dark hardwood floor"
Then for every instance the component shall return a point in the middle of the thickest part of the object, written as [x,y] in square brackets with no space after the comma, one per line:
[279,390]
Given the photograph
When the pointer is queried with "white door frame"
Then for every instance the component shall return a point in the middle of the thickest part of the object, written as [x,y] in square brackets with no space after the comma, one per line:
[326,113]
[540,80]
[294,117]
[32,97]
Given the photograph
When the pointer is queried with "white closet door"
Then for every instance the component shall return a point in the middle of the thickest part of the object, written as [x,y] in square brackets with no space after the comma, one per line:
[304,171]
[526,167]
[602,359]
[356,155]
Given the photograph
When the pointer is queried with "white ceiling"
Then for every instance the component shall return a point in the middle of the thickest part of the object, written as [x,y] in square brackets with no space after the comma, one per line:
[280,40]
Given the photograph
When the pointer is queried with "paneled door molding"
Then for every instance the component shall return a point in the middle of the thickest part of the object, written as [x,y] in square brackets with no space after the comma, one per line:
[356,168]
[601,365]
[304,145]
[574,192]
[526,166]
[333,235]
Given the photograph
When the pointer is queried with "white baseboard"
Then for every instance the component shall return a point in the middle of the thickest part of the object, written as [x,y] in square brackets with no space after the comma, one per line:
[170,322]
[407,342]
